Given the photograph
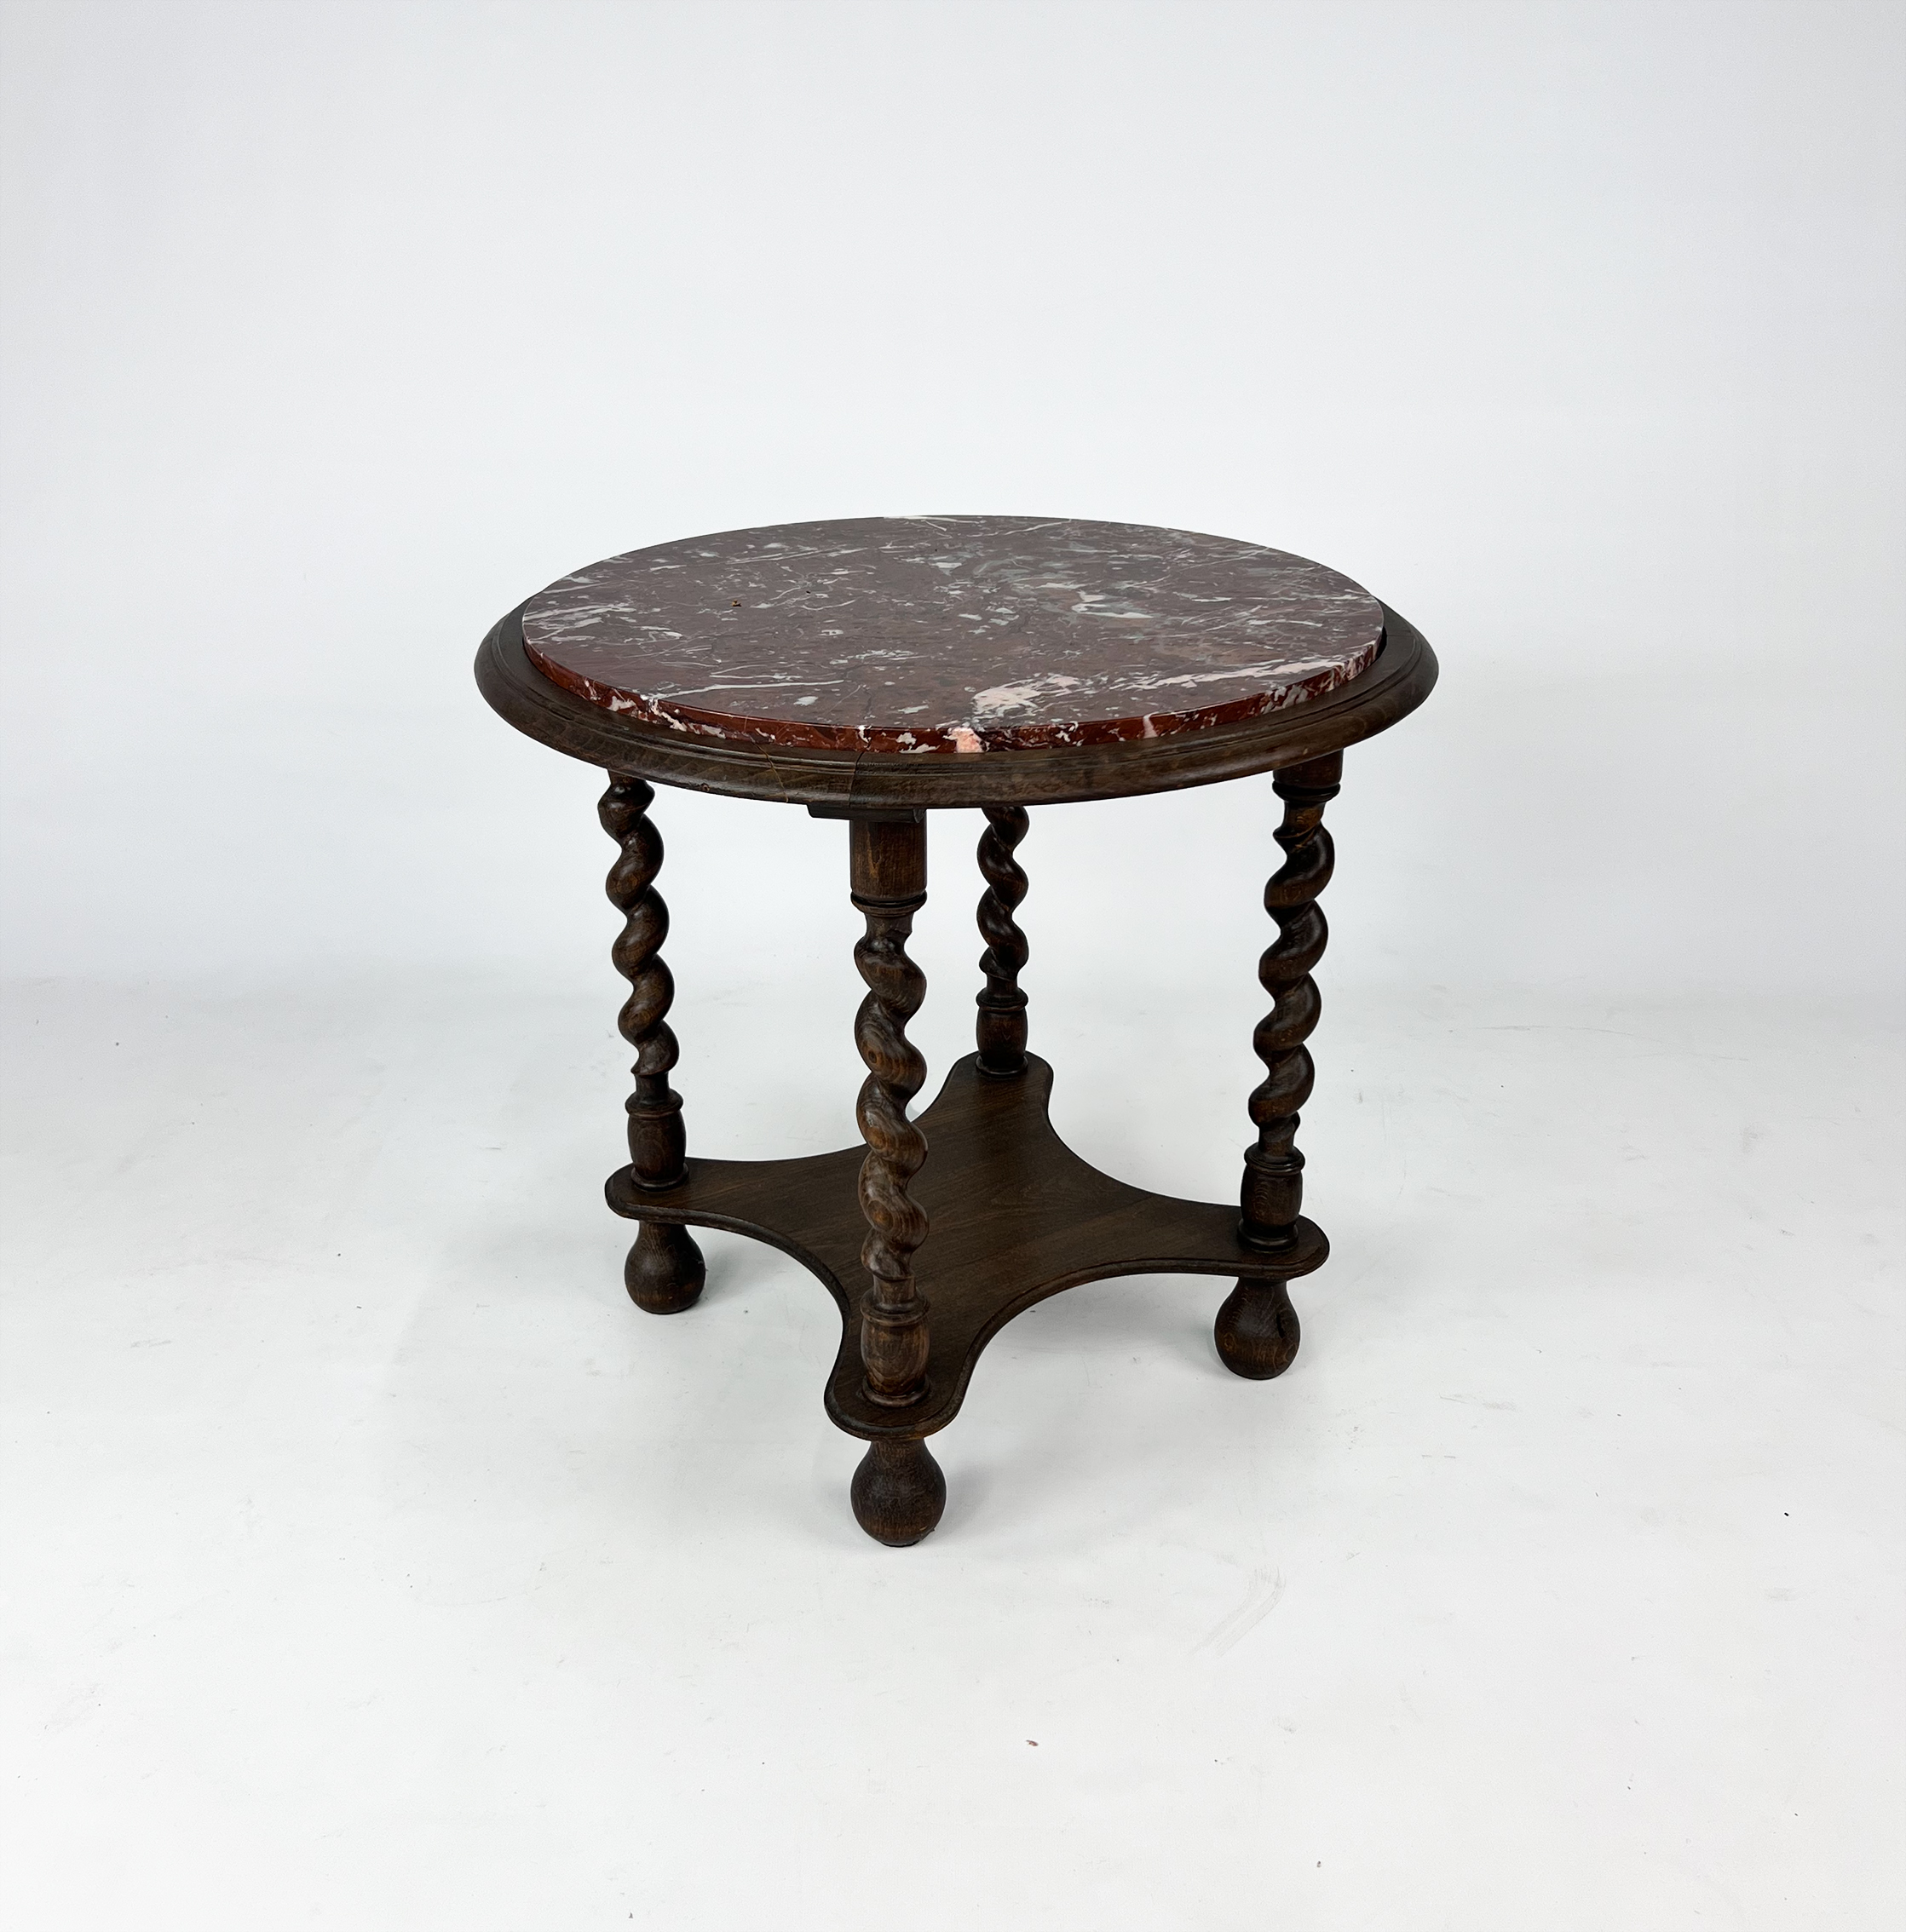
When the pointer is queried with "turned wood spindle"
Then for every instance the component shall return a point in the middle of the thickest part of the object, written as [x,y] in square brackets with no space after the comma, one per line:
[1273,1190]
[663,1273]
[887,864]
[1257,1330]
[1001,1027]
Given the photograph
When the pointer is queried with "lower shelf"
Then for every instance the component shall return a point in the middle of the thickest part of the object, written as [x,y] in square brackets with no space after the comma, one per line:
[1014,1216]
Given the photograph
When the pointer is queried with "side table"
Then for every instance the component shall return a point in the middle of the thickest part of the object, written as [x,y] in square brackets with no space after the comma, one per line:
[875,670]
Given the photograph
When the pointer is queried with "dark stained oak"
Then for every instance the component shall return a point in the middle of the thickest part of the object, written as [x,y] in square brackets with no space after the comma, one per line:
[1001,1027]
[899,1491]
[663,1273]
[887,864]
[1015,1216]
[1273,1186]
[879,670]
[1256,1330]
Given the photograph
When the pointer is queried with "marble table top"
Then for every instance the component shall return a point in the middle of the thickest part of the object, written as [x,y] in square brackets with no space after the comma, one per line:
[951,634]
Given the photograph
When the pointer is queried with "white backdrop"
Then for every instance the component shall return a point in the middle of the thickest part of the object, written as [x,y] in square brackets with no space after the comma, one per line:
[1572,330]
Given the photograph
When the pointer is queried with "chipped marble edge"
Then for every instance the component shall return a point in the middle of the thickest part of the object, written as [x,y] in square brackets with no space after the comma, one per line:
[969,737]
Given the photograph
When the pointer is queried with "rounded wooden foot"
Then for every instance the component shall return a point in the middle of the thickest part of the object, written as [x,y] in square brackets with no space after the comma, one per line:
[1256,1330]
[899,1492]
[665,1271]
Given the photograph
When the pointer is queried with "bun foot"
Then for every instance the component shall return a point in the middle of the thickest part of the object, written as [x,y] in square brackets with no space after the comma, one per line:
[899,1492]
[665,1271]
[1257,1330]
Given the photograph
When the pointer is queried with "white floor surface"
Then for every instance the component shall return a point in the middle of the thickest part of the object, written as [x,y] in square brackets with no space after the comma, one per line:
[369,1561]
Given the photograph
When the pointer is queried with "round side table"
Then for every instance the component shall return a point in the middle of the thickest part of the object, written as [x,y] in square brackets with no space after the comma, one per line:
[875,670]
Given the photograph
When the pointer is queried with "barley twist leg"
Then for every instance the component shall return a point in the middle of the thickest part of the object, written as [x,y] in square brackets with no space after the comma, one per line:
[1002,1017]
[1258,1330]
[898,1491]
[663,1273]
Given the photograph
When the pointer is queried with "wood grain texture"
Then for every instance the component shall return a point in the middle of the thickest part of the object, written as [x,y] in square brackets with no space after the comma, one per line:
[887,866]
[1001,1027]
[899,1492]
[1014,1215]
[1401,679]
[1257,1330]
[663,1273]
[1273,1188]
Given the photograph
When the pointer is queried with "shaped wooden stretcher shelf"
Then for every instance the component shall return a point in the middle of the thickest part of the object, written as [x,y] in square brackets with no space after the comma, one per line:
[1014,1215]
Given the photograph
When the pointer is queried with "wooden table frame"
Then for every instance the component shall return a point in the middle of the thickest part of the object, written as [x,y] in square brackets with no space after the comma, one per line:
[928,1258]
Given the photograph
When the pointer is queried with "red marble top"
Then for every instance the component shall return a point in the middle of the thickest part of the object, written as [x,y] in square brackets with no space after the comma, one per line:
[951,634]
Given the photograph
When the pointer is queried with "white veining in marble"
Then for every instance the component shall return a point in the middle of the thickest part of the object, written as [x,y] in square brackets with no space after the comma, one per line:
[952,633]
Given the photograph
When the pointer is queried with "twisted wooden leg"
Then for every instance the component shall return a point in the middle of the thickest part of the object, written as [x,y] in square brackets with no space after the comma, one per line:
[1002,1021]
[1257,1329]
[888,872]
[898,1490]
[663,1273]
